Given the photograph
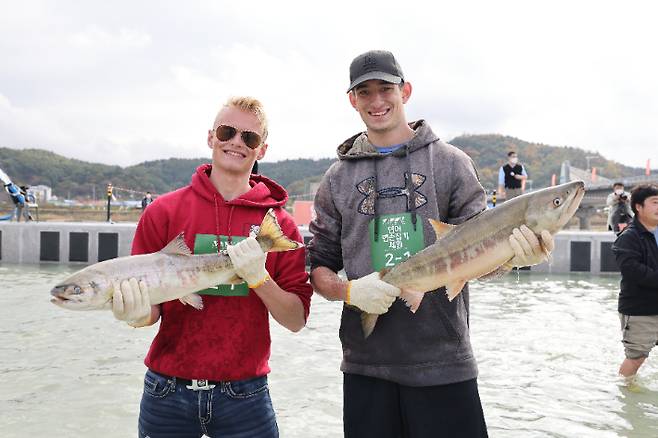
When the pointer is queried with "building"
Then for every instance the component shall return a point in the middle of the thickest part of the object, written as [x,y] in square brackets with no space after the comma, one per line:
[42,193]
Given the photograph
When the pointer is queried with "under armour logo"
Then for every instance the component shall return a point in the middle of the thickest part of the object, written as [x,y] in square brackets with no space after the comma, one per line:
[369,63]
[367,188]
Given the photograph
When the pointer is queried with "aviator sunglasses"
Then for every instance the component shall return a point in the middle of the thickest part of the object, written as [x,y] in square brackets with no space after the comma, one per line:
[250,138]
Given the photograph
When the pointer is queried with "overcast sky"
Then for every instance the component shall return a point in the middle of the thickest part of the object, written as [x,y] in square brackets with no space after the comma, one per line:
[122,82]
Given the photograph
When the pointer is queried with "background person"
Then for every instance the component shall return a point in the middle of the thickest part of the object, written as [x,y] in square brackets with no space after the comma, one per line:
[511,177]
[18,198]
[146,200]
[636,252]
[207,370]
[620,213]
[415,375]
[28,199]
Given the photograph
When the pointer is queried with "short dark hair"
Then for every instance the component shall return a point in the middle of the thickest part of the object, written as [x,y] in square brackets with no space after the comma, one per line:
[642,192]
[510,153]
[618,183]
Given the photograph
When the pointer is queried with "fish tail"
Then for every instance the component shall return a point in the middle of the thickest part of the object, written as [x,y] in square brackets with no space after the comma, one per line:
[368,321]
[271,237]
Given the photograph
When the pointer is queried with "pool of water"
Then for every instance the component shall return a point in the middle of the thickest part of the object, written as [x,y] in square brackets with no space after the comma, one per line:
[547,346]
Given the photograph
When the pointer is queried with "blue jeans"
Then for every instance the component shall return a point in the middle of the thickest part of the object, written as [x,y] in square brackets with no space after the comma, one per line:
[237,409]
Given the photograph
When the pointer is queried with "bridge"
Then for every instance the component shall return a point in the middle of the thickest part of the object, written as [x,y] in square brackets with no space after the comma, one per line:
[597,189]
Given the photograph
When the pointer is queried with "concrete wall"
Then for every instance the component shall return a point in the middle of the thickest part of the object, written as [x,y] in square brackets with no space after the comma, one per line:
[64,242]
[581,251]
[90,242]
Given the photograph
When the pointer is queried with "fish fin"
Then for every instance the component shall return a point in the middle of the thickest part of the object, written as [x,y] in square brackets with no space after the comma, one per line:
[453,289]
[440,228]
[368,321]
[412,299]
[177,246]
[193,300]
[271,237]
[498,272]
[383,272]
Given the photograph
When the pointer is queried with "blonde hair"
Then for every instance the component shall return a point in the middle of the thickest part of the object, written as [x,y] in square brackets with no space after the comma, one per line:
[250,105]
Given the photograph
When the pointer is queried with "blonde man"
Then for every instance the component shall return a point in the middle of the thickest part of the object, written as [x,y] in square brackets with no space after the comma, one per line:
[207,369]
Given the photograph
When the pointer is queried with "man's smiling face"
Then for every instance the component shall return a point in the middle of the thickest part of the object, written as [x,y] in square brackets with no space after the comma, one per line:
[233,155]
[381,105]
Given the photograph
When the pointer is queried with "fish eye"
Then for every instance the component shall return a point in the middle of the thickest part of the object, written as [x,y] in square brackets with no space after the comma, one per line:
[77,290]
[557,202]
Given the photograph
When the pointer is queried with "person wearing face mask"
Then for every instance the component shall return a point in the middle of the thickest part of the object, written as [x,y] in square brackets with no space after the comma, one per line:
[511,177]
[619,208]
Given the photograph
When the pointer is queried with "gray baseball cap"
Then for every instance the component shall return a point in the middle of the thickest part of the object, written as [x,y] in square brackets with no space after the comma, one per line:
[375,64]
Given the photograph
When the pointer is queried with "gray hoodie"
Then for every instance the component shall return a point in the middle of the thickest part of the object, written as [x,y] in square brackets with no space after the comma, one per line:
[432,346]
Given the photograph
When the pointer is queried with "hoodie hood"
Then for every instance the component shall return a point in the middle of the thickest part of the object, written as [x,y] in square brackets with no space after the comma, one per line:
[264,192]
[358,146]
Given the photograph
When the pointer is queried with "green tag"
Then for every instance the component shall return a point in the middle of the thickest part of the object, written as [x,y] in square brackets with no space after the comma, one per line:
[207,244]
[397,239]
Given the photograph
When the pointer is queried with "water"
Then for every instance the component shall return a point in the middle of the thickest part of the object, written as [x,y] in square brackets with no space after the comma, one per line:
[548,350]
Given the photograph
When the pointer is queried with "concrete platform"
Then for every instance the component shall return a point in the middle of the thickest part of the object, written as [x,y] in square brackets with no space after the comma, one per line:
[64,242]
[91,242]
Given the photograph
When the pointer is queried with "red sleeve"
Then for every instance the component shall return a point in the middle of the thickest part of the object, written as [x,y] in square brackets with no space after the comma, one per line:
[151,233]
[289,270]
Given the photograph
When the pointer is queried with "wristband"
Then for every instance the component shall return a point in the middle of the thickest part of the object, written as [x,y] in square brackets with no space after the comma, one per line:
[347,293]
[260,283]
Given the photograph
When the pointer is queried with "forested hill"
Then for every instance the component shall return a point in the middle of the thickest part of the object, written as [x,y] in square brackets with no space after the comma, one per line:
[541,161]
[79,179]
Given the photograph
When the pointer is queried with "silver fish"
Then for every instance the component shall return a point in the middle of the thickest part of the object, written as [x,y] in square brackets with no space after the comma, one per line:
[172,273]
[479,247]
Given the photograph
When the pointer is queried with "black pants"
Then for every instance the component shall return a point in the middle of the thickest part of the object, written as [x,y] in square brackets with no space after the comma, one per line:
[383,409]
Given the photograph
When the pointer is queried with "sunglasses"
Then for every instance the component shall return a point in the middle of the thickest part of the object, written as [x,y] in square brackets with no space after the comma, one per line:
[250,138]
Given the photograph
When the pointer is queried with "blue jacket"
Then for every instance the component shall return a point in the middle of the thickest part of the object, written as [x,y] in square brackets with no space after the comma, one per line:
[15,193]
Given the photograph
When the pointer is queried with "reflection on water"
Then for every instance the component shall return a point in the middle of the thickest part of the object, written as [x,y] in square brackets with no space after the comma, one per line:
[547,346]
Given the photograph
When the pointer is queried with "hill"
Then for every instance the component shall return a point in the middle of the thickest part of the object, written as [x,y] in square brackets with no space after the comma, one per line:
[70,178]
[541,161]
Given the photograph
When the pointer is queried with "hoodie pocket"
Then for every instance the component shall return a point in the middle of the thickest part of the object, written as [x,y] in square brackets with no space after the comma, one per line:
[449,320]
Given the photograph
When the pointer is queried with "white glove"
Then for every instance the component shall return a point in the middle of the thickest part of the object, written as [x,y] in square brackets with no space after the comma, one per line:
[249,261]
[528,250]
[371,294]
[131,302]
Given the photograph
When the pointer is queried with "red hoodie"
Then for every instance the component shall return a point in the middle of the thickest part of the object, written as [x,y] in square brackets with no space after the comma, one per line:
[230,338]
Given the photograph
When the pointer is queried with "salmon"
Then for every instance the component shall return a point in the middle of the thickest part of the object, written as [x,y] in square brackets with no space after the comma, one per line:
[170,274]
[479,247]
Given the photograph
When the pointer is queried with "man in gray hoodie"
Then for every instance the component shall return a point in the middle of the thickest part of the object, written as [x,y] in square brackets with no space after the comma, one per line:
[415,375]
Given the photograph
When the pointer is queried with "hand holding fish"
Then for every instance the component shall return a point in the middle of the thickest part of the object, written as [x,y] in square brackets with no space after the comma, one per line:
[528,250]
[486,246]
[249,261]
[371,294]
[131,302]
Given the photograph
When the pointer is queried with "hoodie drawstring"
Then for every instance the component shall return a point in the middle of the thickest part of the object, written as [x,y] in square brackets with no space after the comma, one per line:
[410,187]
[375,202]
[217,232]
[230,220]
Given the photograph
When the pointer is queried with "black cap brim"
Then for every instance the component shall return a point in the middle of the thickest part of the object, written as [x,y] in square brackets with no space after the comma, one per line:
[375,75]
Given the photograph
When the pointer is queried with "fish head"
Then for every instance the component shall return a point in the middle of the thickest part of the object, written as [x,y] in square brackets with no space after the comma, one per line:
[83,292]
[551,208]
